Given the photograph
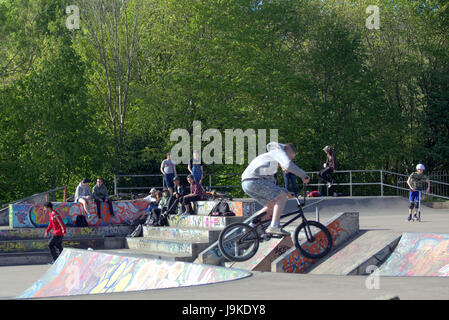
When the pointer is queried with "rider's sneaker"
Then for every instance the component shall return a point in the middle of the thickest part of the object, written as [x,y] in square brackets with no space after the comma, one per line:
[277,231]
[409,217]
[415,217]
[329,184]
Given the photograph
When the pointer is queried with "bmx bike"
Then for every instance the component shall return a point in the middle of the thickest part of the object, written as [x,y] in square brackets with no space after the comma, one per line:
[240,241]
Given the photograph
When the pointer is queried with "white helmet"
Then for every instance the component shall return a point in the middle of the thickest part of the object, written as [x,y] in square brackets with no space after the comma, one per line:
[420,167]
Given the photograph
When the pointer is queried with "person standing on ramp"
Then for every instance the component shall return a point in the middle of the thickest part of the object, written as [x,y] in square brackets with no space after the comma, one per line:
[417,183]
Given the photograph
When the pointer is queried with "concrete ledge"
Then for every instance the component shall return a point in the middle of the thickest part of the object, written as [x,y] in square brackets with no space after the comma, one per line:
[28,215]
[88,232]
[202,222]
[342,227]
[241,207]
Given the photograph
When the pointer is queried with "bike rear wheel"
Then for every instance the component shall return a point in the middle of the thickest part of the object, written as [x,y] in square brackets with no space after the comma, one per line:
[313,239]
[238,242]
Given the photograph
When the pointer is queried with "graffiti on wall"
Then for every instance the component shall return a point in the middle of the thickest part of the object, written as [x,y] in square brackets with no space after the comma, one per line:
[295,262]
[34,216]
[79,272]
[208,222]
[204,207]
[419,254]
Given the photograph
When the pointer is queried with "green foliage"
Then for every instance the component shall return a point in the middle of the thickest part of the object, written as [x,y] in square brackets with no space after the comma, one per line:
[104,99]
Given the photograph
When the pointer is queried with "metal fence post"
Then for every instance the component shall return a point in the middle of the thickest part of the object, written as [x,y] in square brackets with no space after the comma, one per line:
[115,185]
[381,183]
[350,183]
[210,182]
[317,214]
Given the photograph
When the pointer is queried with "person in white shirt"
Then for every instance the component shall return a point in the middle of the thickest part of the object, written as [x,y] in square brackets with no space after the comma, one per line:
[258,181]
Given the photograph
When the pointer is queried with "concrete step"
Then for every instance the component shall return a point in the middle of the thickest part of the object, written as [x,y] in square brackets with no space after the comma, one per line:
[169,246]
[27,246]
[185,234]
[10,246]
[25,258]
[202,222]
[151,255]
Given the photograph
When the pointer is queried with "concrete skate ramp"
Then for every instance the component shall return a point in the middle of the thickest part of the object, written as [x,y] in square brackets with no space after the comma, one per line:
[419,254]
[79,272]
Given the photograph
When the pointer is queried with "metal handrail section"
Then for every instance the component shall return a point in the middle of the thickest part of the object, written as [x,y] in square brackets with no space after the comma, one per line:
[382,182]
[39,194]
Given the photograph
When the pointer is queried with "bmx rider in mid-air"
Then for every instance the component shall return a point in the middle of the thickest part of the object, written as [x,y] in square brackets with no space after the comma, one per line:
[258,182]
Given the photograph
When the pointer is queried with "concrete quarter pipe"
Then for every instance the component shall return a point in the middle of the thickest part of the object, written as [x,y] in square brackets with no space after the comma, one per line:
[78,272]
[419,254]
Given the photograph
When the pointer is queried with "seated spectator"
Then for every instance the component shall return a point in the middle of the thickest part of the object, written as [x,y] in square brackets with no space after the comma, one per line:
[196,194]
[100,194]
[83,194]
[177,196]
[162,206]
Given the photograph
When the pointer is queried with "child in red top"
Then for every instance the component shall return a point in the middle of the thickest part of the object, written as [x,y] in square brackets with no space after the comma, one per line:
[57,225]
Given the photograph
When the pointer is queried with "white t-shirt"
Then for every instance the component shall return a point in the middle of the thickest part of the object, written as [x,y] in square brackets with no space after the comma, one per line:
[149,199]
[267,164]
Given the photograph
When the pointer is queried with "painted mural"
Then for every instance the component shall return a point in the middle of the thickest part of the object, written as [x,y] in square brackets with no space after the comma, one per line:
[419,254]
[33,216]
[78,272]
[296,262]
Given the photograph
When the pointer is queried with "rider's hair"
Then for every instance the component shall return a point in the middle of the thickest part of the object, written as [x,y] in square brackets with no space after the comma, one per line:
[290,146]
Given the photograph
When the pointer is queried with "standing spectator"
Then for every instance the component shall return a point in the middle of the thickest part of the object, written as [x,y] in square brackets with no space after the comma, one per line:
[100,194]
[168,169]
[196,192]
[195,167]
[83,194]
[56,225]
[329,167]
[290,177]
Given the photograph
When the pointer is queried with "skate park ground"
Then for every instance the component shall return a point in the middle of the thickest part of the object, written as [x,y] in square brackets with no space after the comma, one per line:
[376,213]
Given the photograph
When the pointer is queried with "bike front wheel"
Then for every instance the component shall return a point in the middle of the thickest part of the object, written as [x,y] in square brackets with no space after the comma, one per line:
[238,242]
[313,239]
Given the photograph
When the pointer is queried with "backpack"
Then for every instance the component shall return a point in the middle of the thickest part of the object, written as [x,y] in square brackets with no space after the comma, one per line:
[81,222]
[221,209]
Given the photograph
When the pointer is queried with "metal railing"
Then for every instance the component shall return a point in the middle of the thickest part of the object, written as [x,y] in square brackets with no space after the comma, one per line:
[349,182]
[46,194]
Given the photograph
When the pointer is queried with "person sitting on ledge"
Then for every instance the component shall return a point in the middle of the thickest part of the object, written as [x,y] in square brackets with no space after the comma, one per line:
[83,194]
[100,194]
[196,194]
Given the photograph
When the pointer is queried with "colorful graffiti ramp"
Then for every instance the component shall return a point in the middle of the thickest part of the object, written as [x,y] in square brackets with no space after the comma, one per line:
[419,254]
[78,272]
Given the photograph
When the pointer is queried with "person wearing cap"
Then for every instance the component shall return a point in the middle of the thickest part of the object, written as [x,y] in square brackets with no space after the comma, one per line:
[417,182]
[258,182]
[151,199]
[329,167]
[179,192]
[83,194]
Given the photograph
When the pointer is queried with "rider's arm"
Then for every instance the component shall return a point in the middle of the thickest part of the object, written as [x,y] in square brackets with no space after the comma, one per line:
[284,161]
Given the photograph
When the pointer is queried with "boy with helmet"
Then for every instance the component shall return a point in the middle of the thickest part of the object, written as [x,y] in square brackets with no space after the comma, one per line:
[417,183]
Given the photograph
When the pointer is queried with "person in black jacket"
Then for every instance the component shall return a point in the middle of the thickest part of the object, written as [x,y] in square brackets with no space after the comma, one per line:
[329,167]
[177,197]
